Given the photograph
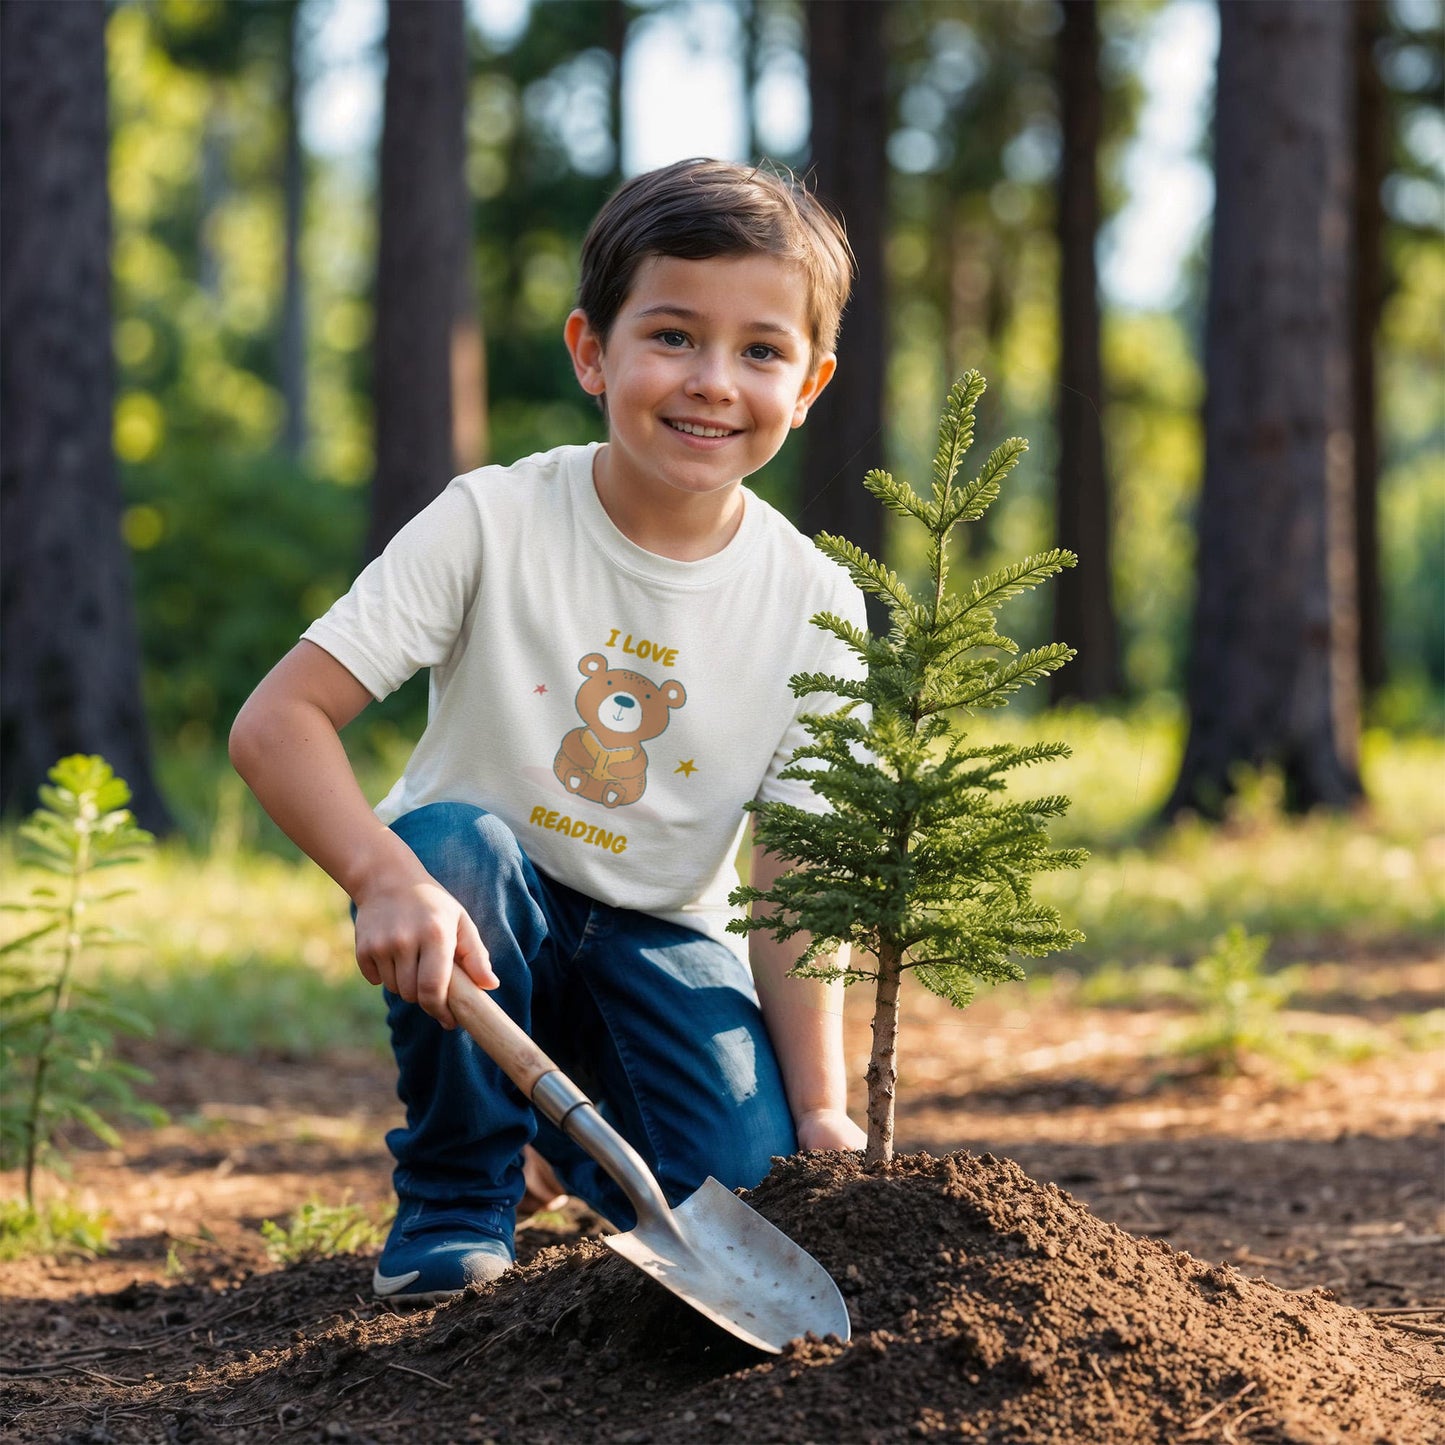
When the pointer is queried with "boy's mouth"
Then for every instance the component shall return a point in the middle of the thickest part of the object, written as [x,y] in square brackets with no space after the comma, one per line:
[698,429]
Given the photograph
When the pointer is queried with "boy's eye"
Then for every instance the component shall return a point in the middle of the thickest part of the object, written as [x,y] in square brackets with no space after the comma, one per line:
[672,338]
[761,351]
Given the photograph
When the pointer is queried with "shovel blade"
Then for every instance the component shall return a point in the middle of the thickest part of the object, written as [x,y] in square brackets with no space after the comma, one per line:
[725,1260]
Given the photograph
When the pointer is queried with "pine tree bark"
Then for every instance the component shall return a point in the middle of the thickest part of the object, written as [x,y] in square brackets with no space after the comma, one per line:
[1372,161]
[71,675]
[423,211]
[1083,595]
[292,340]
[882,1075]
[1273,672]
[843,438]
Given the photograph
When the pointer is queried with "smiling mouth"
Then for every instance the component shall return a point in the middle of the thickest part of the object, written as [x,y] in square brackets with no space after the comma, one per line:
[693,429]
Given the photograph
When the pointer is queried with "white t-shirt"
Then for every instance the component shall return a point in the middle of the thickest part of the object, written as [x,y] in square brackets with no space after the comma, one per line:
[615,708]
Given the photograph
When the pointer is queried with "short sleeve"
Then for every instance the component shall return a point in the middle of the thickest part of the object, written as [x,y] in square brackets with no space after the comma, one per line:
[406,610]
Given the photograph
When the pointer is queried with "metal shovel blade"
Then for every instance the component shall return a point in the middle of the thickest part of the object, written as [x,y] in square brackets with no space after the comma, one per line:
[731,1265]
[713,1251]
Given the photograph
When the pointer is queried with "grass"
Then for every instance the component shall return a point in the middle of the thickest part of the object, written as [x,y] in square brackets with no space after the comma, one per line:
[323,1231]
[1320,882]
[55,1226]
[246,949]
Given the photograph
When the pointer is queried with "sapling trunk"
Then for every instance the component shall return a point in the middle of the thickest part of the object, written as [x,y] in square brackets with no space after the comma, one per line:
[35,1139]
[882,1073]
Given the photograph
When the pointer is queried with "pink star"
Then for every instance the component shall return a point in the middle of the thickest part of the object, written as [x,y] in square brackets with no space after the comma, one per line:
[540,687]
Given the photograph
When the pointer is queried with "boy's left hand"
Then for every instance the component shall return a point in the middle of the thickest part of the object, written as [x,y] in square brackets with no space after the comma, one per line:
[829,1129]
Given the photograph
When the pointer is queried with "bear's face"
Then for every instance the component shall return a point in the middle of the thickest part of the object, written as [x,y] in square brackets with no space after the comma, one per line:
[624,707]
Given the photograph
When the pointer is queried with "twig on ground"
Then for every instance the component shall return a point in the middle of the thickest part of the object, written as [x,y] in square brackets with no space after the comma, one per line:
[1227,1432]
[1208,1415]
[486,1344]
[1430,1331]
[1103,1380]
[421,1374]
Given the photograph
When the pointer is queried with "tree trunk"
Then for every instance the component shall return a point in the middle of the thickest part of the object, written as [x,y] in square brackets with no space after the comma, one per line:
[1083,595]
[292,341]
[71,676]
[882,1073]
[1372,160]
[423,209]
[843,438]
[1273,671]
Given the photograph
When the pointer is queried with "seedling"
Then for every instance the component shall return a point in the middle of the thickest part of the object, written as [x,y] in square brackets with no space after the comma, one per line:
[321,1231]
[920,863]
[57,1066]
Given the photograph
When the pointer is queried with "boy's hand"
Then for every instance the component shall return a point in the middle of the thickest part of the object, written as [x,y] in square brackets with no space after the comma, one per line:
[410,935]
[829,1129]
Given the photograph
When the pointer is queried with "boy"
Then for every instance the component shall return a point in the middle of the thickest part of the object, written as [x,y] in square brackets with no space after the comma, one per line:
[610,631]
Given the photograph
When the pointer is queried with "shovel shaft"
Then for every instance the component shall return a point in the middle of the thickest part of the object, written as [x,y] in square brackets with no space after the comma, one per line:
[509,1046]
[555,1095]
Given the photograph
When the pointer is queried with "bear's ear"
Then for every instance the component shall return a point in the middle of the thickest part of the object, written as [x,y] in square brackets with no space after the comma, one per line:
[592,664]
[673,694]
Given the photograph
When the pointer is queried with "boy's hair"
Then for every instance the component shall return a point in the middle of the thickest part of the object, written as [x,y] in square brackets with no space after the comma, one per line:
[698,209]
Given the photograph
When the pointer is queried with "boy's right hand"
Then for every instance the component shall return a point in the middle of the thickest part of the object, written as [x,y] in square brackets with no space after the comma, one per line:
[410,934]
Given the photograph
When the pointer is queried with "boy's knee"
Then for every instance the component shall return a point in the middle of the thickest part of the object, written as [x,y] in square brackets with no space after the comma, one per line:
[458,838]
[738,1157]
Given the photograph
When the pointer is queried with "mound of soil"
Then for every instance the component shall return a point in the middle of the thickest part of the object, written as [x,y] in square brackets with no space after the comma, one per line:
[985,1307]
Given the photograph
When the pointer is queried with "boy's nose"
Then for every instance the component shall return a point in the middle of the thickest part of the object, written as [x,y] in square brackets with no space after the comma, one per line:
[712,378]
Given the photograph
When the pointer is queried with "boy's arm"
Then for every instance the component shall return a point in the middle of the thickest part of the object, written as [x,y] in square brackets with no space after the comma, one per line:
[285,743]
[805,1022]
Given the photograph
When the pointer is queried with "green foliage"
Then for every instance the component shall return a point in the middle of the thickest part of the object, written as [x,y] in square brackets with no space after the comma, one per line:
[246,1005]
[57,1068]
[923,860]
[1238,1001]
[920,852]
[229,572]
[322,1231]
[56,1227]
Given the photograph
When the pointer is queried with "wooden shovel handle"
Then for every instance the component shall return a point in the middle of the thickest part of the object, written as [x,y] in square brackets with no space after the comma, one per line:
[505,1043]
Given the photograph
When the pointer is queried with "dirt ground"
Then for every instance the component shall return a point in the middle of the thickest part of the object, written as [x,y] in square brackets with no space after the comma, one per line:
[1101,1243]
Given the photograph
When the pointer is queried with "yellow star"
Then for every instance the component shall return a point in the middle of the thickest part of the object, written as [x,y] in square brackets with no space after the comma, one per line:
[687,767]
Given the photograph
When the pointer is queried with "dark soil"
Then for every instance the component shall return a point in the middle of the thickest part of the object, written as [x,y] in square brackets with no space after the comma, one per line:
[987,1303]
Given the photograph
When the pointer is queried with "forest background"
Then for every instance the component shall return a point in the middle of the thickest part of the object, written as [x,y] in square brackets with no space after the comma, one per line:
[284,197]
[250,209]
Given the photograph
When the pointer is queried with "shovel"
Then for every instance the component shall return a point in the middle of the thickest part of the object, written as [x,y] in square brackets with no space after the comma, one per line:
[713,1251]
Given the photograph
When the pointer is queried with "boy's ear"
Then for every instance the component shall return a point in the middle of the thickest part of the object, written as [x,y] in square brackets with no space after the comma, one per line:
[585,348]
[813,387]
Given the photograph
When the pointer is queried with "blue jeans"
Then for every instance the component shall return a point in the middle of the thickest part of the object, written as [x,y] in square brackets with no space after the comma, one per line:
[659,1024]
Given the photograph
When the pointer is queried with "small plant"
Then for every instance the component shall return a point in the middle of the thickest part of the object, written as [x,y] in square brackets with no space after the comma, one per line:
[1238,1002]
[920,864]
[57,1068]
[56,1227]
[321,1231]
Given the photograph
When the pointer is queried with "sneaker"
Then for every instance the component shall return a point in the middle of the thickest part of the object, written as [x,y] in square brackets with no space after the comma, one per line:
[435,1251]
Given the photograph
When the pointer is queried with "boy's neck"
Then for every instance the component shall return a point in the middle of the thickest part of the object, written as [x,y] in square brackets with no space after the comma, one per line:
[679,526]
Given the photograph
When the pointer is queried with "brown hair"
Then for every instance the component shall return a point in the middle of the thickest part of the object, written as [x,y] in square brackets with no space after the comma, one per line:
[697,209]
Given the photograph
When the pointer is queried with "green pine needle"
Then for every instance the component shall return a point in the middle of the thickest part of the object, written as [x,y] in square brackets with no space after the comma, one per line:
[926,855]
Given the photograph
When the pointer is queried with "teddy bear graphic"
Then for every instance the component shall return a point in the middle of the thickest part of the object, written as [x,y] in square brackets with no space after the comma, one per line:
[603,760]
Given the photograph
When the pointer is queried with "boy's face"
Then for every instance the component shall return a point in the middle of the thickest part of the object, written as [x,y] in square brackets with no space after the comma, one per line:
[708,366]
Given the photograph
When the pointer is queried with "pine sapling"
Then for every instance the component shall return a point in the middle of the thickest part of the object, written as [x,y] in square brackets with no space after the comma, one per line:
[56,1065]
[923,861]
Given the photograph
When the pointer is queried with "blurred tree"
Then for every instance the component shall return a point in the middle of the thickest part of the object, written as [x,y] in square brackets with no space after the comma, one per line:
[423,225]
[1273,670]
[1083,596]
[71,681]
[291,342]
[847,69]
[1372,158]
